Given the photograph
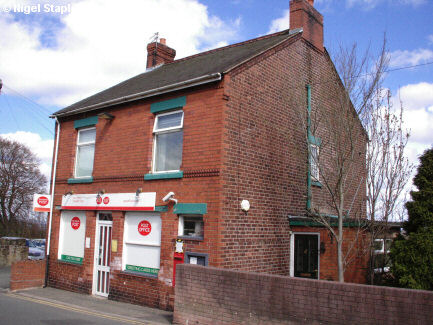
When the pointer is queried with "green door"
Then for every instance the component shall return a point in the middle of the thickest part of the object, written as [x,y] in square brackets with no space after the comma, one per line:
[306,256]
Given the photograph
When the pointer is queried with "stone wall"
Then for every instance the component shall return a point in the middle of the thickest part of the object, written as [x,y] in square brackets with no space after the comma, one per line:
[12,250]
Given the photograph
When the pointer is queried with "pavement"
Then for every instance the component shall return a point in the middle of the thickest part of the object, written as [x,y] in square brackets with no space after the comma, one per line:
[88,304]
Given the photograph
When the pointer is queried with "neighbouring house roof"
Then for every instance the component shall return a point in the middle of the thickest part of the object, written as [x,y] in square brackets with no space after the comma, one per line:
[186,72]
[347,222]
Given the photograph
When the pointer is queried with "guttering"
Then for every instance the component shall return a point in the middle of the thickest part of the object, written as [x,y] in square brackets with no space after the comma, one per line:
[148,93]
[53,185]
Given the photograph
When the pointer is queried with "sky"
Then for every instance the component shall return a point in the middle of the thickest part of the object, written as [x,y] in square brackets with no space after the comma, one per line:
[66,50]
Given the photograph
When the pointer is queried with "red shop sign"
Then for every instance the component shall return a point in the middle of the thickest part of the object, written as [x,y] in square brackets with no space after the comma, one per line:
[75,223]
[144,228]
[43,201]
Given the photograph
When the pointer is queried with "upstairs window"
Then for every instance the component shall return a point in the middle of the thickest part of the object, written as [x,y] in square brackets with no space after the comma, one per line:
[314,162]
[168,142]
[85,152]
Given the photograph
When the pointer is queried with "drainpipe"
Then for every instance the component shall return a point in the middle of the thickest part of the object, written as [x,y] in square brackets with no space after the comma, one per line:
[309,195]
[53,185]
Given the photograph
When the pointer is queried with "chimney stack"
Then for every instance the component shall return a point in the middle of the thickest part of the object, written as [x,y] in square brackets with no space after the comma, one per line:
[304,15]
[159,52]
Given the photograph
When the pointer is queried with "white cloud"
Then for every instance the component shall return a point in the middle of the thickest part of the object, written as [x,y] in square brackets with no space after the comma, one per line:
[430,38]
[408,58]
[100,43]
[419,122]
[413,2]
[281,23]
[370,4]
[417,100]
[367,4]
[43,149]
[417,96]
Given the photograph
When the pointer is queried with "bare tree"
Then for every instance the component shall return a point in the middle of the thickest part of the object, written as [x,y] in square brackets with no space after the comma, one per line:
[339,162]
[388,171]
[20,178]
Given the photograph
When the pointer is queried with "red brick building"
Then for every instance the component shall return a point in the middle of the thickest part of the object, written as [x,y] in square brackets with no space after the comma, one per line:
[152,172]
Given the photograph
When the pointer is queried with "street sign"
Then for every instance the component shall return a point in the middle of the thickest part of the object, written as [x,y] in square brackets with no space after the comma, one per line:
[41,202]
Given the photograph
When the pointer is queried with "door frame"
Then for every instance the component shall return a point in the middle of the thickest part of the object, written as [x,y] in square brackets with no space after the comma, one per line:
[292,251]
[96,249]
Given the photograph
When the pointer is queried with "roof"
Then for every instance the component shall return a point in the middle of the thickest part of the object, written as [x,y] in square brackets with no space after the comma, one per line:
[347,222]
[206,66]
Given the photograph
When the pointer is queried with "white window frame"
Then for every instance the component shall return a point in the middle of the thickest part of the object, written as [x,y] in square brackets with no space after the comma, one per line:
[128,242]
[379,251]
[383,241]
[314,164]
[181,225]
[162,131]
[63,226]
[382,252]
[82,145]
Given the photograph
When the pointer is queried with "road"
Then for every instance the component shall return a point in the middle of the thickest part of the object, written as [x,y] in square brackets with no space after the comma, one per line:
[16,309]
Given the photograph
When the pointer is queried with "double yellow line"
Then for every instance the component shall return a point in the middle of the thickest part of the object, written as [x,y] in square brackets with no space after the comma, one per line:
[77,310]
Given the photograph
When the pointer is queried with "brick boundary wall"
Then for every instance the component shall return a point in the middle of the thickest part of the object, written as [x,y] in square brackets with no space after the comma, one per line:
[27,274]
[207,295]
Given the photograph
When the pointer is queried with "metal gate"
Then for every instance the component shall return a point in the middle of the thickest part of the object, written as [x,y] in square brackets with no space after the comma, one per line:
[101,278]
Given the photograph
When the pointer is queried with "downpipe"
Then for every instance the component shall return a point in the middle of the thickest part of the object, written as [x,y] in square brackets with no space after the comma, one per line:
[50,221]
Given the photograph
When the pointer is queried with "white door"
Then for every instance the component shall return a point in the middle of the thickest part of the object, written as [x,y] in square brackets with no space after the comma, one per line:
[101,276]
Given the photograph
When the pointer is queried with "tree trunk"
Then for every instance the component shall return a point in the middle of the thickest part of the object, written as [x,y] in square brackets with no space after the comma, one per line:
[340,252]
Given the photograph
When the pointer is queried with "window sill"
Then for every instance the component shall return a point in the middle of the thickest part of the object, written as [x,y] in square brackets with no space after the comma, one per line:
[169,175]
[69,263]
[141,275]
[190,238]
[316,183]
[80,180]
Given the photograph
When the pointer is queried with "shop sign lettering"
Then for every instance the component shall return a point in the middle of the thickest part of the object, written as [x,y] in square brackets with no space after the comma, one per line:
[43,201]
[75,223]
[144,228]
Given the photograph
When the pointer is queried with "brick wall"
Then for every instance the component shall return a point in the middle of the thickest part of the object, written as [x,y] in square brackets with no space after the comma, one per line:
[357,259]
[216,296]
[27,274]
[123,155]
[265,157]
[12,250]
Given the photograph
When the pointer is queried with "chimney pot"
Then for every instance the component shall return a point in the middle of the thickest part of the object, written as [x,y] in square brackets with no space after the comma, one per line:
[311,2]
[162,41]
